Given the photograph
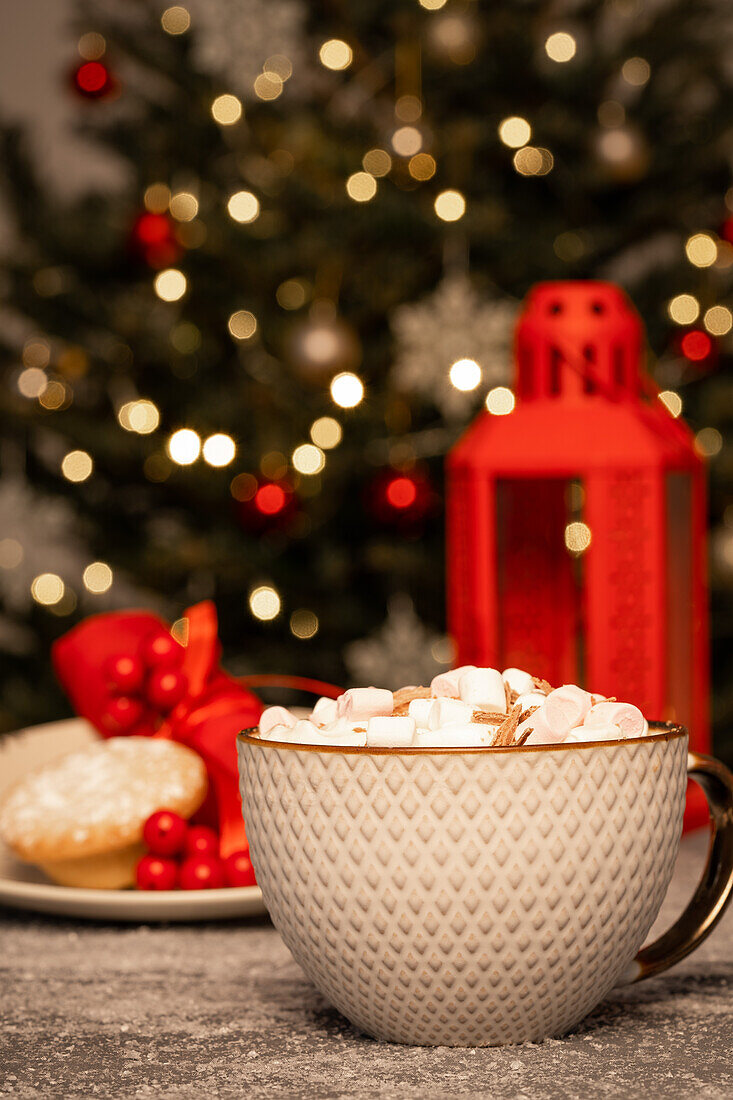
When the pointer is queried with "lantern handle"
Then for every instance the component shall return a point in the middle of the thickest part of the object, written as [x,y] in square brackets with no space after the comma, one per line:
[716,885]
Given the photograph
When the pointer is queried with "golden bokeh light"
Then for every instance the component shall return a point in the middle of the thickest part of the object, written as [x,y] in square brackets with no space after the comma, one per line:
[336,54]
[175,20]
[11,553]
[91,46]
[671,401]
[347,390]
[243,207]
[226,109]
[408,108]
[219,449]
[377,162]
[530,161]
[280,65]
[32,382]
[560,47]
[242,324]
[406,141]
[184,206]
[308,459]
[708,442]
[500,401]
[636,71]
[701,250]
[185,337]
[47,589]
[55,396]
[77,466]
[432,5]
[243,487]
[184,446]
[577,537]
[292,294]
[326,432]
[157,197]
[465,375]
[422,166]
[141,416]
[450,206]
[718,320]
[268,86]
[684,309]
[264,602]
[97,577]
[170,285]
[36,353]
[515,131]
[304,624]
[361,186]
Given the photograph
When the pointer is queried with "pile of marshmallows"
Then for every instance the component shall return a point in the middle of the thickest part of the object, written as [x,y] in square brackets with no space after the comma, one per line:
[467,706]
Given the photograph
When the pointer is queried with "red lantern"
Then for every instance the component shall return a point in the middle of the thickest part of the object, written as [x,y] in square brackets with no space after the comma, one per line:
[576,522]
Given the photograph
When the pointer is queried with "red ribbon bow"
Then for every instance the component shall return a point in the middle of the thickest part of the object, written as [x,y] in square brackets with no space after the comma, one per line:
[207,718]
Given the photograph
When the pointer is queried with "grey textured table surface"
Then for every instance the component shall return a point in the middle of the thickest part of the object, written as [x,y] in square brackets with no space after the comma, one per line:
[221,1010]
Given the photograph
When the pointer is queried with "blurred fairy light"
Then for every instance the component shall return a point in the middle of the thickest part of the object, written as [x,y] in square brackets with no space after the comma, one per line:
[530,161]
[97,577]
[36,353]
[139,416]
[11,553]
[77,466]
[219,449]
[268,86]
[291,294]
[326,432]
[184,206]
[185,337]
[280,65]
[170,285]
[336,54]
[408,108]
[47,589]
[175,20]
[500,401]
[671,401]
[450,206]
[465,375]
[718,320]
[179,631]
[264,602]
[636,71]
[308,459]
[560,47]
[611,114]
[347,390]
[361,187]
[32,382]
[242,324]
[577,537]
[244,487]
[91,46]
[515,131]
[226,110]
[304,624]
[55,396]
[184,446]
[432,5]
[684,309]
[708,442]
[422,166]
[407,141]
[701,250]
[243,207]
[377,162]
[274,465]
[156,198]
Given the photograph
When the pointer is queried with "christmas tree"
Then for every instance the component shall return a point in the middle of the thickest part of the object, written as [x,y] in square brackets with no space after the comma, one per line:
[236,376]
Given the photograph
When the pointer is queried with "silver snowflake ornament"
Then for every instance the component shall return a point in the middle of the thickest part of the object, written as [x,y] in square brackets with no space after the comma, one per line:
[402,651]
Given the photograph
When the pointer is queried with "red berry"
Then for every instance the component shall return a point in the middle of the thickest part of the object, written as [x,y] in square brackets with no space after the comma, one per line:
[238,869]
[165,688]
[125,673]
[123,714]
[154,873]
[161,651]
[202,873]
[201,841]
[165,833]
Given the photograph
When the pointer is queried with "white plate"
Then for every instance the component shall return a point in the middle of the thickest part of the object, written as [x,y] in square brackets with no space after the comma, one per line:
[24,887]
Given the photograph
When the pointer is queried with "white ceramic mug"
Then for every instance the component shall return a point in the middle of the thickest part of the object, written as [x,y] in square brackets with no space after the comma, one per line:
[471,897]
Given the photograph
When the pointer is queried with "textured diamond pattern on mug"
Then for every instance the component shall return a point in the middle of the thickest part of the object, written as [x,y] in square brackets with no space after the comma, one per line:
[471,898]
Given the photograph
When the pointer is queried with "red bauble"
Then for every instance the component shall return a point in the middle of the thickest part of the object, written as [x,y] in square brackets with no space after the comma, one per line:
[165,833]
[270,499]
[123,714]
[154,873]
[272,506]
[165,688]
[153,238]
[161,651]
[402,499]
[201,841]
[401,492]
[93,80]
[696,345]
[202,873]
[238,869]
[125,673]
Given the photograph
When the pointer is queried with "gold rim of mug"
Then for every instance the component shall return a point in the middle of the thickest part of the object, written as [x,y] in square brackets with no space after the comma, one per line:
[668,731]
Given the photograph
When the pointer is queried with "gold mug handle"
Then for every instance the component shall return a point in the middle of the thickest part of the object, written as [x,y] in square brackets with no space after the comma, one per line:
[716,885]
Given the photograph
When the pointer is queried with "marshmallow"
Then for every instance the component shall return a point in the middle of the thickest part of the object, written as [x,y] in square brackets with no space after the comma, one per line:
[485,686]
[467,735]
[625,715]
[419,709]
[363,703]
[610,732]
[276,716]
[445,684]
[518,681]
[396,731]
[541,733]
[324,711]
[531,699]
[564,708]
[449,712]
